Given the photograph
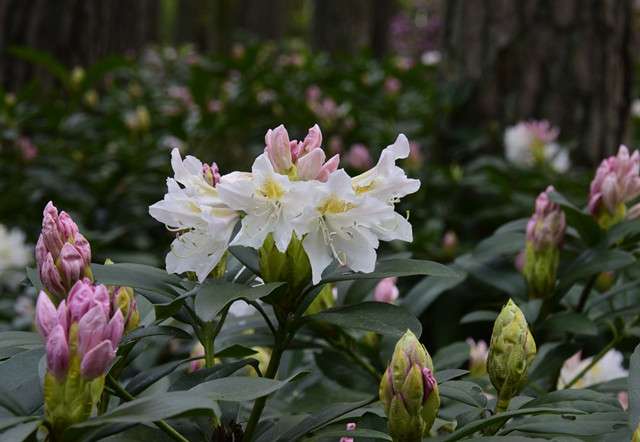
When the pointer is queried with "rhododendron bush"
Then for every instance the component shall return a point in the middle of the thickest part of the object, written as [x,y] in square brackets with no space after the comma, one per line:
[281,314]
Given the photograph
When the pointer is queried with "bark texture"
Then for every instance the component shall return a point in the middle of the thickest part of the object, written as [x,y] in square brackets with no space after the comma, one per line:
[568,61]
[341,27]
[76,32]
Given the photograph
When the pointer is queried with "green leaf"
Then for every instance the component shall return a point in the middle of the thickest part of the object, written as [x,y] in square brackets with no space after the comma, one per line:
[20,432]
[570,322]
[585,400]
[247,256]
[213,296]
[583,222]
[451,356]
[21,380]
[20,339]
[239,389]
[424,293]
[235,351]
[463,391]
[594,261]
[155,330]
[6,422]
[379,317]
[395,267]
[34,278]
[498,419]
[621,230]
[138,276]
[447,375]
[321,418]
[44,60]
[507,243]
[479,316]
[596,424]
[634,389]
[148,377]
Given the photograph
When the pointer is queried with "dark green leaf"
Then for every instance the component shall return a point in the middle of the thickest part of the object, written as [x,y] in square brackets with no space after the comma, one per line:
[20,339]
[213,296]
[20,432]
[395,267]
[155,330]
[358,432]
[447,375]
[584,223]
[386,319]
[247,256]
[592,262]
[424,293]
[634,389]
[479,316]
[146,378]
[451,356]
[462,391]
[507,243]
[569,322]
[138,276]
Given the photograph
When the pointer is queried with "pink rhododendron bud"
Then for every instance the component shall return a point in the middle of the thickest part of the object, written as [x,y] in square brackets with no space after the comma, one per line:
[46,315]
[278,149]
[547,225]
[617,181]
[84,295]
[313,140]
[71,264]
[50,276]
[450,243]
[545,233]
[96,362]
[115,328]
[58,352]
[211,174]
[386,291]
[359,157]
[310,165]
[328,168]
[91,329]
[63,255]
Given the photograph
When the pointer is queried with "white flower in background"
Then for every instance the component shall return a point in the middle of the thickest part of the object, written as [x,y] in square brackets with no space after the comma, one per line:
[534,142]
[431,58]
[240,309]
[386,181]
[269,200]
[606,369]
[340,224]
[194,210]
[478,355]
[15,255]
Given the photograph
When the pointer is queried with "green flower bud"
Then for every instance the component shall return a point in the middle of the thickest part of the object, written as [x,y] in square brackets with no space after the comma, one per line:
[511,353]
[636,435]
[291,267]
[323,301]
[409,391]
[540,270]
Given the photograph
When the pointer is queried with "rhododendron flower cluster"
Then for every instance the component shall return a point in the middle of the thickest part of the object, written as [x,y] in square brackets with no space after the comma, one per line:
[617,182]
[292,192]
[531,143]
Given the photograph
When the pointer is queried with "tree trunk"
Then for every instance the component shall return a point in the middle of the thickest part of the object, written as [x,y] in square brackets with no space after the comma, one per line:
[383,11]
[568,61]
[75,32]
[341,27]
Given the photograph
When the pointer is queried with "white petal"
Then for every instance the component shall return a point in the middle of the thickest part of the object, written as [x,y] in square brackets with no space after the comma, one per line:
[318,253]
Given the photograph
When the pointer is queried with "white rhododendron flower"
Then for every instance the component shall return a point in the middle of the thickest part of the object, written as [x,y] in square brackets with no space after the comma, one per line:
[386,181]
[15,255]
[269,200]
[193,208]
[534,142]
[606,369]
[290,190]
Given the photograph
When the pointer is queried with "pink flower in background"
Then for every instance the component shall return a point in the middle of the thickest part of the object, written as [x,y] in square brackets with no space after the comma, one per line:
[28,150]
[214,106]
[386,290]
[196,352]
[450,243]
[313,93]
[335,144]
[392,85]
[617,181]
[359,157]
[531,143]
[181,94]
[351,426]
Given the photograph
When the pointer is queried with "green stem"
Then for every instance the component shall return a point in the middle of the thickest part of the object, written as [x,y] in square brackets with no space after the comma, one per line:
[586,291]
[126,396]
[595,360]
[272,370]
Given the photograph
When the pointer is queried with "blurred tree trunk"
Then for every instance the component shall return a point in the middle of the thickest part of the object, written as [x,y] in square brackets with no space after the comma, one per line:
[263,19]
[568,61]
[76,32]
[339,27]
[382,11]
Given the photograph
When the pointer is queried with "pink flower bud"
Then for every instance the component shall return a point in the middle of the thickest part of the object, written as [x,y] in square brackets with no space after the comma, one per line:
[57,352]
[82,246]
[428,382]
[41,251]
[91,329]
[84,296]
[51,236]
[46,315]
[547,225]
[63,315]
[50,276]
[211,174]
[386,291]
[351,426]
[328,168]
[115,328]
[310,165]
[313,140]
[278,149]
[71,264]
[96,362]
[67,227]
[617,181]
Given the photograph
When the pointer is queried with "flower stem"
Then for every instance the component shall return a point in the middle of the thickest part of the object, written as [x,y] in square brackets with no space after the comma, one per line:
[126,396]
[586,291]
[272,369]
[595,360]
